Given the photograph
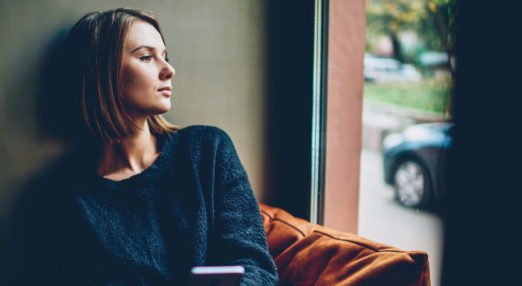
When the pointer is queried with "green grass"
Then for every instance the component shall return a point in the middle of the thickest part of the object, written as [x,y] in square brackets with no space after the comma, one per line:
[431,95]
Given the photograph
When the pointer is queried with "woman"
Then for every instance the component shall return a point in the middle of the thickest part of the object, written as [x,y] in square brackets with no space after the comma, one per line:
[147,200]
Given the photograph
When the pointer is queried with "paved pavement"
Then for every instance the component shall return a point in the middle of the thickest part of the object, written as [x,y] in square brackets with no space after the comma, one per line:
[383,220]
[380,217]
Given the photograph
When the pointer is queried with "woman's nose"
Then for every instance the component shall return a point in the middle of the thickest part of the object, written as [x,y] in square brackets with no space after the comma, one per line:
[167,72]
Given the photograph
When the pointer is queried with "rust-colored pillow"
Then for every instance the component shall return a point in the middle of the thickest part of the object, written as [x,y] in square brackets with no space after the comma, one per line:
[309,254]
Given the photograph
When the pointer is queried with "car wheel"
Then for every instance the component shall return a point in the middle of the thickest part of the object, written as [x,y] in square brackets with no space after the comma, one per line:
[412,184]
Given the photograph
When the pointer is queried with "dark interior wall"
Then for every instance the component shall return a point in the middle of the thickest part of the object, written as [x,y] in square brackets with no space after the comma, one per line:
[289,78]
[483,207]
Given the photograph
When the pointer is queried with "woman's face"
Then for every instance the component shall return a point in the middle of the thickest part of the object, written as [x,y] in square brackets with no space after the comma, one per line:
[146,74]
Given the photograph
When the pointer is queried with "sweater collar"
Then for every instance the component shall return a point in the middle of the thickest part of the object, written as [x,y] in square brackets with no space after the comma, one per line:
[147,176]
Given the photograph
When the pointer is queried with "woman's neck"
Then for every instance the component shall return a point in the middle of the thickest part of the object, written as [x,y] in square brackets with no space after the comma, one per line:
[130,156]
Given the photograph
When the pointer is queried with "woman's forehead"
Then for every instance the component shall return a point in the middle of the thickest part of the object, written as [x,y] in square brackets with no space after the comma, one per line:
[143,34]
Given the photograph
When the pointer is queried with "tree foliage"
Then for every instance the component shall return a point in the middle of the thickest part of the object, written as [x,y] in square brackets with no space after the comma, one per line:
[432,20]
[393,16]
[442,16]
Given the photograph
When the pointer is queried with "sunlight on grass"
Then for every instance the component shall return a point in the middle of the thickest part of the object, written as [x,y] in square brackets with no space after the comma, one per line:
[432,95]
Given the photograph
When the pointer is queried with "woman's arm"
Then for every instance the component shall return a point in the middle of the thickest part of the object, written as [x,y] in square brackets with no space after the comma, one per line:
[239,237]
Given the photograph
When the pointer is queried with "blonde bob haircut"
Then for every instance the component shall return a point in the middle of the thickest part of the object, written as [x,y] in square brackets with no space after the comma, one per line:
[97,42]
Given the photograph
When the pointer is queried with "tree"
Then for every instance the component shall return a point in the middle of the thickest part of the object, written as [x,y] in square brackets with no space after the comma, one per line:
[389,17]
[433,20]
[442,17]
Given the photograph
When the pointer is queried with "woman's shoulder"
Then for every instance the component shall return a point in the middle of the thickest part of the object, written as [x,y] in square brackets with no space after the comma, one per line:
[201,130]
[203,134]
[204,139]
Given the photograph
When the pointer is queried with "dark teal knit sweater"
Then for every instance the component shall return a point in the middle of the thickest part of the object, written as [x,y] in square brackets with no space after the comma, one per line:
[193,206]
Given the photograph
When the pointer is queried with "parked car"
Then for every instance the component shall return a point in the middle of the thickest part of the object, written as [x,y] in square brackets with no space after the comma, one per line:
[380,69]
[414,162]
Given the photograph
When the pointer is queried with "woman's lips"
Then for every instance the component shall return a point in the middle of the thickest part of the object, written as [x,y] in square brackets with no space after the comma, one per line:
[167,90]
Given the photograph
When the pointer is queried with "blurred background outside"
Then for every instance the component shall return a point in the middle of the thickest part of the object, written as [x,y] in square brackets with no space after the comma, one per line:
[409,73]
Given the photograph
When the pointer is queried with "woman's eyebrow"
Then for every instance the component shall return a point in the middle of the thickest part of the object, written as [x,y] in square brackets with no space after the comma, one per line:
[148,48]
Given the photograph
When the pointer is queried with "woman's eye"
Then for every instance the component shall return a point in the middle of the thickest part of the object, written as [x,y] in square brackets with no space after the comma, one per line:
[146,58]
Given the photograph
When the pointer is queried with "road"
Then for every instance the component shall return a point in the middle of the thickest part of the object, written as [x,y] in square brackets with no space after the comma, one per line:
[383,220]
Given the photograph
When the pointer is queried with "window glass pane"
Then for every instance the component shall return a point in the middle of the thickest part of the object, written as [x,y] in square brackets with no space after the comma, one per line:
[409,68]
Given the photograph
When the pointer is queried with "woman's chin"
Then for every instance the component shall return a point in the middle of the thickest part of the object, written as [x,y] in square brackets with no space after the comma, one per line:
[151,110]
[162,109]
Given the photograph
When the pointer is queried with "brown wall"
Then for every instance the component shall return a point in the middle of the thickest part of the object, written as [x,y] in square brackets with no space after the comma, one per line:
[217,50]
[346,39]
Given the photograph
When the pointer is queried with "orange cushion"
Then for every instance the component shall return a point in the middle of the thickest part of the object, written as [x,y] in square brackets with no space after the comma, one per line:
[310,254]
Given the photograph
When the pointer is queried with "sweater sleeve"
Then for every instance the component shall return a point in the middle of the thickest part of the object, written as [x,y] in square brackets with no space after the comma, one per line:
[239,235]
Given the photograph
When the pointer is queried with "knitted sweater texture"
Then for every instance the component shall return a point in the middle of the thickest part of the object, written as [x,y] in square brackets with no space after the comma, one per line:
[193,206]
